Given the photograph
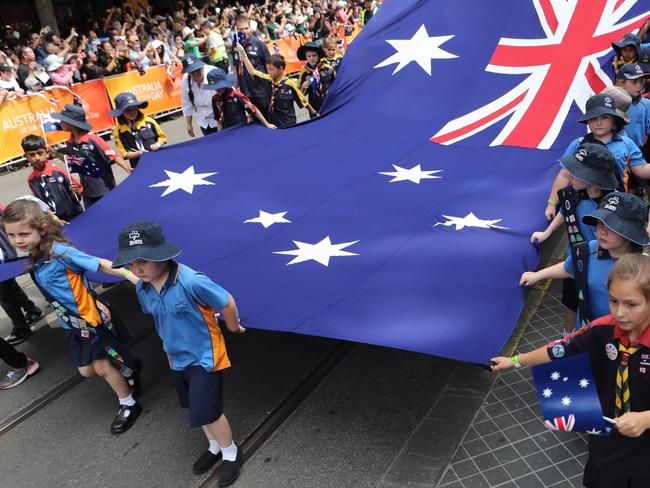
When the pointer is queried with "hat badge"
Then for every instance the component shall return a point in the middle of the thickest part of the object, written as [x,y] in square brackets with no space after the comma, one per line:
[608,102]
[134,238]
[612,202]
[581,154]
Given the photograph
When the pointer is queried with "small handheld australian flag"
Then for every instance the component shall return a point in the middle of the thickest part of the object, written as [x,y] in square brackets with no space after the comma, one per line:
[568,397]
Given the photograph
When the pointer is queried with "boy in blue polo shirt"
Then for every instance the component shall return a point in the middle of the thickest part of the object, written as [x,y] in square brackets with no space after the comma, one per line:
[183,303]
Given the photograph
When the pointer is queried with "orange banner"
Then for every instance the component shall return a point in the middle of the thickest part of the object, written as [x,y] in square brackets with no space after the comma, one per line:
[288,48]
[21,117]
[94,99]
[160,86]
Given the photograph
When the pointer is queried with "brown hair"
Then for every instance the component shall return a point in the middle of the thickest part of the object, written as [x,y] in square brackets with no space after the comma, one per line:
[277,61]
[633,267]
[29,212]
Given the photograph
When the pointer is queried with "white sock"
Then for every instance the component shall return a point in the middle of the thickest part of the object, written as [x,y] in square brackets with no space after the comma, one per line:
[128,401]
[229,453]
[214,446]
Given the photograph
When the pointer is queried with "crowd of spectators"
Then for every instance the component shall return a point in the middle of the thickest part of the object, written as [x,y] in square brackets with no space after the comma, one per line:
[125,40]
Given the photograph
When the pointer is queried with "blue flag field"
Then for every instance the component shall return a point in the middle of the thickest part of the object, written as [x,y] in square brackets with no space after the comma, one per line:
[402,216]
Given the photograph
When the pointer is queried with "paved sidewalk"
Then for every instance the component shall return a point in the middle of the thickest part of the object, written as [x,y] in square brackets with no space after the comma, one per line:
[507,445]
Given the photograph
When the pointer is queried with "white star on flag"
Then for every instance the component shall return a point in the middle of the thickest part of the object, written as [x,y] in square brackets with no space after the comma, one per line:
[593,431]
[470,220]
[268,219]
[414,174]
[584,383]
[320,252]
[555,376]
[185,181]
[566,401]
[420,48]
[565,379]
[547,393]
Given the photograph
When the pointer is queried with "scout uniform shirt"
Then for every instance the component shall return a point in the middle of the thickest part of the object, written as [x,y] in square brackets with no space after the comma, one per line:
[320,78]
[284,93]
[91,147]
[63,277]
[52,185]
[615,454]
[184,313]
[257,53]
[141,136]
[230,109]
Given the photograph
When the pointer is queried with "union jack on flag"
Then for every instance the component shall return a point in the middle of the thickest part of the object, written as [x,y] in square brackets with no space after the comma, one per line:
[561,423]
[562,68]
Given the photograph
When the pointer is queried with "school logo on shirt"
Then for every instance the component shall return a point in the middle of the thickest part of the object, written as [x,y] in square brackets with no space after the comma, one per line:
[181,307]
[134,237]
[611,351]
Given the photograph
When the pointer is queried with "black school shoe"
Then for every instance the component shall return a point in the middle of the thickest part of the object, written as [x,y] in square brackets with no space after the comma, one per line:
[229,470]
[205,462]
[125,418]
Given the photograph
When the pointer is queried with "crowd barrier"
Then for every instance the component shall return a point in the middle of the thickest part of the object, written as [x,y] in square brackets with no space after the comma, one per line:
[159,85]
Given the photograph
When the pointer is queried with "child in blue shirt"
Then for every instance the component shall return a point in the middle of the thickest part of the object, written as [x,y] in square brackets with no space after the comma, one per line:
[591,170]
[620,222]
[183,303]
[605,124]
[632,79]
[95,337]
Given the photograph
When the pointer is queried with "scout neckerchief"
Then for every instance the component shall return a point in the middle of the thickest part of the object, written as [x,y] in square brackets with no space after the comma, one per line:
[569,199]
[114,339]
[622,389]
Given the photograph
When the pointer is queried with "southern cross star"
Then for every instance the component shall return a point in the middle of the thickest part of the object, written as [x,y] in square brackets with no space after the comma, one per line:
[420,48]
[268,219]
[547,393]
[584,383]
[185,181]
[414,174]
[566,401]
[321,252]
[470,220]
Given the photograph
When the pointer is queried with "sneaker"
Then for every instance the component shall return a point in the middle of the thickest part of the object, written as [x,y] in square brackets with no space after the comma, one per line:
[16,376]
[205,462]
[229,470]
[33,316]
[133,380]
[125,418]
[18,335]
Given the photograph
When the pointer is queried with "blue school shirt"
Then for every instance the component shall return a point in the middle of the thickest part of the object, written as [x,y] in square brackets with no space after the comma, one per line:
[63,277]
[621,148]
[184,313]
[597,274]
[639,126]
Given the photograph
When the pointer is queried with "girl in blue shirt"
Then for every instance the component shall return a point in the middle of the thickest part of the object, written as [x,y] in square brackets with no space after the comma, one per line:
[94,338]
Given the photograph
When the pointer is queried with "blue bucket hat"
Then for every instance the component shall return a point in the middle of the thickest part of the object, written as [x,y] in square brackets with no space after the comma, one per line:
[217,79]
[73,115]
[623,213]
[143,240]
[628,40]
[125,100]
[191,63]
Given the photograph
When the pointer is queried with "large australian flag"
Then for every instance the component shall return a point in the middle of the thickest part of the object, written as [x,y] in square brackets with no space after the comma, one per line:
[402,215]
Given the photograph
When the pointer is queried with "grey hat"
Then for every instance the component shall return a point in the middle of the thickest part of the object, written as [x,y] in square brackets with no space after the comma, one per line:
[73,115]
[622,100]
[600,105]
[623,213]
[143,240]
[593,164]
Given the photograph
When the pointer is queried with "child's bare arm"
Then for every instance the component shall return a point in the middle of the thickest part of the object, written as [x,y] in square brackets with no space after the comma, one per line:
[555,224]
[557,271]
[532,358]
[561,180]
[106,266]
[231,316]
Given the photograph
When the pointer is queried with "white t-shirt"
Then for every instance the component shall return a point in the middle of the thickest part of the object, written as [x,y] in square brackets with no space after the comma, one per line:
[11,85]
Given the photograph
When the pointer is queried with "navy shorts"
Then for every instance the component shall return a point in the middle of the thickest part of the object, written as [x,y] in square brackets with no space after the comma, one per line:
[81,351]
[595,478]
[201,392]
[570,294]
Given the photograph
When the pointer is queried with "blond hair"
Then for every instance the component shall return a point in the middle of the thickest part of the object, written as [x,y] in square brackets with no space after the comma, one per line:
[634,267]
